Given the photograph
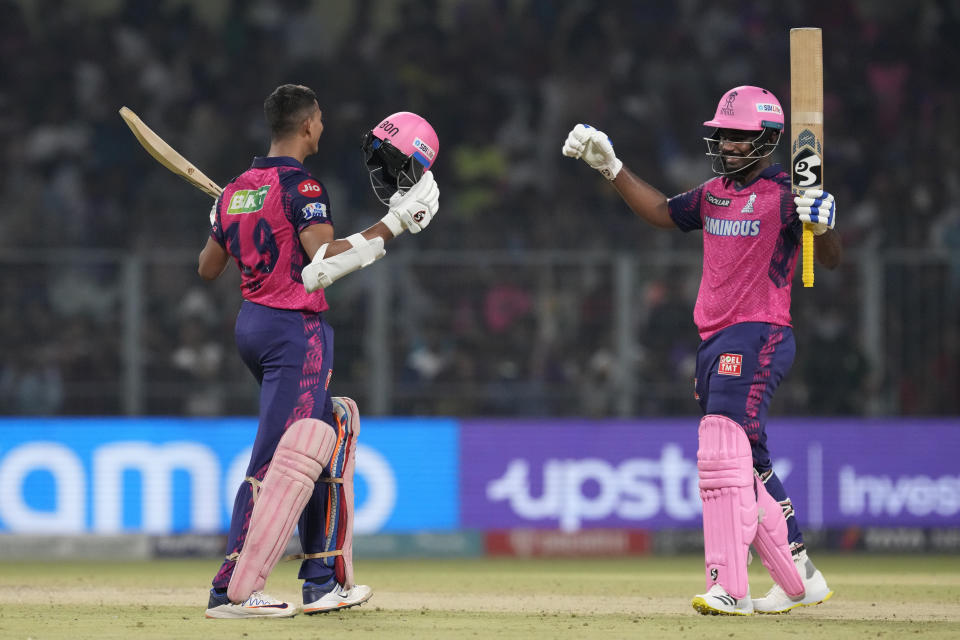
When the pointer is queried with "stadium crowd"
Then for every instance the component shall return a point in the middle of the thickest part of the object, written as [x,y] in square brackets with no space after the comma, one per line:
[501,82]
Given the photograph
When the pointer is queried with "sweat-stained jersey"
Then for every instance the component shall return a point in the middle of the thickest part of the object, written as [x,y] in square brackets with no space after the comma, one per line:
[751,237]
[259,218]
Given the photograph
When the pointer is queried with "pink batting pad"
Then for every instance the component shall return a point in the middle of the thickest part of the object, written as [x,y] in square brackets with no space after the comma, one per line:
[303,451]
[772,545]
[729,504]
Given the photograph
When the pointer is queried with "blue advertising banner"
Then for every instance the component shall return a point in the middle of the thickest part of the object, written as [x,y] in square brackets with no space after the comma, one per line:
[179,475]
[578,474]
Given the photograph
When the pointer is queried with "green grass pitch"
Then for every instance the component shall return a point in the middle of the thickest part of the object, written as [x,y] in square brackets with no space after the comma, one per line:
[877,596]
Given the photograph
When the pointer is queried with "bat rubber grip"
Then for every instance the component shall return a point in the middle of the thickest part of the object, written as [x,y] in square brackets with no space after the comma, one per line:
[807,275]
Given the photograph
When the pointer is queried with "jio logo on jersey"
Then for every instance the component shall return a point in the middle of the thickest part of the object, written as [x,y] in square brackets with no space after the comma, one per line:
[310,188]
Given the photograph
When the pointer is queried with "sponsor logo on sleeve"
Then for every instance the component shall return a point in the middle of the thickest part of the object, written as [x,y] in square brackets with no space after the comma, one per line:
[247,200]
[310,188]
[314,210]
[730,364]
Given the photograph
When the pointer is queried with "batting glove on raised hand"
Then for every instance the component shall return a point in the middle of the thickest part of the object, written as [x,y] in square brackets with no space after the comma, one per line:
[816,207]
[594,148]
[414,209]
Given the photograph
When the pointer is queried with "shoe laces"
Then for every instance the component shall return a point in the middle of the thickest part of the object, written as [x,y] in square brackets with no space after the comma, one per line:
[260,598]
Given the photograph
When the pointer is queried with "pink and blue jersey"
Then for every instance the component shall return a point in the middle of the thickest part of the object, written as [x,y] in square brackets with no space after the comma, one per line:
[259,218]
[751,237]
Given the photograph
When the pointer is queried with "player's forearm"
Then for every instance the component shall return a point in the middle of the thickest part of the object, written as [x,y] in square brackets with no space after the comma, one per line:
[828,249]
[645,201]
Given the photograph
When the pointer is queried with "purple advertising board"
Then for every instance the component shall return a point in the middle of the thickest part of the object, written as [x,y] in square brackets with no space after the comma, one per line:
[577,474]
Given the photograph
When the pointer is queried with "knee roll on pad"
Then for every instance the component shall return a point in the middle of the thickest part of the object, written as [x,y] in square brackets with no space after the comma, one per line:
[302,453]
[725,467]
[772,545]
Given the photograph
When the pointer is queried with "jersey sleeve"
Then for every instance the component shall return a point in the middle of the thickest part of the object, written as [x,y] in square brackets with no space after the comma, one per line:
[685,209]
[306,200]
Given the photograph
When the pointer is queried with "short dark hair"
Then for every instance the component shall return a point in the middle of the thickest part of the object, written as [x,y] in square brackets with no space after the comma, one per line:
[287,107]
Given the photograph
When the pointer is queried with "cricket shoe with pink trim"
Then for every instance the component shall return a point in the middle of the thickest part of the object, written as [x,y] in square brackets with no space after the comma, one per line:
[258,605]
[814,584]
[717,602]
[324,599]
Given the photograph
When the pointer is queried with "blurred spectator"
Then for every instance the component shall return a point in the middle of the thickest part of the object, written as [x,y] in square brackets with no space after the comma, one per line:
[501,82]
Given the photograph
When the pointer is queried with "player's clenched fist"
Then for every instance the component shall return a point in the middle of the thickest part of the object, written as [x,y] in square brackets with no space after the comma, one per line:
[594,148]
[414,209]
[816,207]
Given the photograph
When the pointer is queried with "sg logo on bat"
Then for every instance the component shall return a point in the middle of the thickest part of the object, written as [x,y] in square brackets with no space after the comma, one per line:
[807,163]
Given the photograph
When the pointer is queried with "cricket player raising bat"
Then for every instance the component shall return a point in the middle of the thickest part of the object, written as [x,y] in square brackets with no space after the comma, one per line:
[751,227]
[275,221]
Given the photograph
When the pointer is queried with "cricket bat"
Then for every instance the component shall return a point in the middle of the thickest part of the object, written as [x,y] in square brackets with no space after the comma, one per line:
[167,155]
[806,124]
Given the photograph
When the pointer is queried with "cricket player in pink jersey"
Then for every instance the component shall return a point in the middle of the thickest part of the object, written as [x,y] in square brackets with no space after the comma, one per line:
[751,225]
[275,221]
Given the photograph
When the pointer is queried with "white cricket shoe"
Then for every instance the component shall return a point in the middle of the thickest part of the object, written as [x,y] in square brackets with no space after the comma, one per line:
[318,600]
[717,602]
[258,605]
[814,584]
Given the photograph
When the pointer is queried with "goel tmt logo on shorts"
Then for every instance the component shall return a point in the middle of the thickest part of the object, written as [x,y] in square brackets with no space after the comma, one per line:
[730,364]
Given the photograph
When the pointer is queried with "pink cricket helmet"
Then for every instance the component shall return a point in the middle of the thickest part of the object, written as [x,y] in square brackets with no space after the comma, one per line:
[747,109]
[398,151]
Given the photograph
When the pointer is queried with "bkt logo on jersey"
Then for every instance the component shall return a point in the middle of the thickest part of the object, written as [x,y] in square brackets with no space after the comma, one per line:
[247,200]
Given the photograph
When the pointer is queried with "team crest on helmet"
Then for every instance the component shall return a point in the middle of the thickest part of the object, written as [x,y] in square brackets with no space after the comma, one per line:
[727,109]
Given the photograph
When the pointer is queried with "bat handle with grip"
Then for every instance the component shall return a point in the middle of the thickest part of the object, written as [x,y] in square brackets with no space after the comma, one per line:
[807,274]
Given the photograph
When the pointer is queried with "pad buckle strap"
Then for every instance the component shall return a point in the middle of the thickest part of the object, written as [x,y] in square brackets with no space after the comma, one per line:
[311,556]
[254,487]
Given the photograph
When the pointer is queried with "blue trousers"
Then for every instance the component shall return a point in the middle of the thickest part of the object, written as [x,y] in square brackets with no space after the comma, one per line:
[290,353]
[738,370]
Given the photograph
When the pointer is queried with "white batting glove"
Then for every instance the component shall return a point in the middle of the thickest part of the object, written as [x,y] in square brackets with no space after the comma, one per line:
[414,209]
[816,207]
[594,148]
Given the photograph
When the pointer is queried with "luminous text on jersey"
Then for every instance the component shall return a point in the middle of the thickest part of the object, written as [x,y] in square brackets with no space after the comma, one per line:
[247,200]
[718,227]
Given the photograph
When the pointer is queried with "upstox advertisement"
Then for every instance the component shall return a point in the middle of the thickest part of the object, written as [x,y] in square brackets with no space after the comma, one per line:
[578,474]
[159,476]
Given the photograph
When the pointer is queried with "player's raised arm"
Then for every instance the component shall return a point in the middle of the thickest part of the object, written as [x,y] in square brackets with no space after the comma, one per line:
[398,153]
[594,148]
[411,211]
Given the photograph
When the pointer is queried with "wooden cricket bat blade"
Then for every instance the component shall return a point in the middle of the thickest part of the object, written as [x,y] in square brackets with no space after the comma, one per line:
[167,155]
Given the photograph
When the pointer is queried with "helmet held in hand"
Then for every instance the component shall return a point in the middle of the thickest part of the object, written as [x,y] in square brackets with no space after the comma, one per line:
[397,152]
